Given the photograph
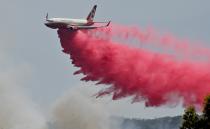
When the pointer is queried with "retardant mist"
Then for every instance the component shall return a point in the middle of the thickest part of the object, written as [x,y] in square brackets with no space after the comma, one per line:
[157,78]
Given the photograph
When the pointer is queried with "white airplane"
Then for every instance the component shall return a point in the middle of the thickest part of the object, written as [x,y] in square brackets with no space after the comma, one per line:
[74,24]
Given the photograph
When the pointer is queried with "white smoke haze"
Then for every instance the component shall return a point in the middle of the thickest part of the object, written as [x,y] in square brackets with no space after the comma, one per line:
[76,110]
[16,109]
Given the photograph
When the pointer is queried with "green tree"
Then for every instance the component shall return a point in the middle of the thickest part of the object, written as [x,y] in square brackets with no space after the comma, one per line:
[190,119]
[206,113]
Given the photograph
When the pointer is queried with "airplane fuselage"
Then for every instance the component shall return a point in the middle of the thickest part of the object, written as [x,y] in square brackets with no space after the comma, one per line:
[75,24]
[64,23]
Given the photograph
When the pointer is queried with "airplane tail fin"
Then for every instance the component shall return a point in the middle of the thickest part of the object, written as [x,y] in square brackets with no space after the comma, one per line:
[92,13]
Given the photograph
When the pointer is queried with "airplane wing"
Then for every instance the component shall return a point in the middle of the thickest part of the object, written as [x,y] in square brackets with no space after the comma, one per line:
[87,27]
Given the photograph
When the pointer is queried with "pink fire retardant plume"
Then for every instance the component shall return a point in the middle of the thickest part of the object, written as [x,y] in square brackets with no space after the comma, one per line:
[151,36]
[144,75]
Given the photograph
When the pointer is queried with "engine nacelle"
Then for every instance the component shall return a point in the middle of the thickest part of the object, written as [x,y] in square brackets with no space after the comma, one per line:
[72,28]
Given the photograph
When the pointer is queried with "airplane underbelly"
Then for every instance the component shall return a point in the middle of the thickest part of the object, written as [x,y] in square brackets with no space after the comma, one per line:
[56,25]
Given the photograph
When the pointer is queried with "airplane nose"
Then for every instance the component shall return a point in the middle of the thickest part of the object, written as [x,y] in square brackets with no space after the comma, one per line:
[50,25]
[47,24]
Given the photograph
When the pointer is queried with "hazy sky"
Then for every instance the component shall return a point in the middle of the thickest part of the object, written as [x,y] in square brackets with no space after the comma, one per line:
[32,49]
